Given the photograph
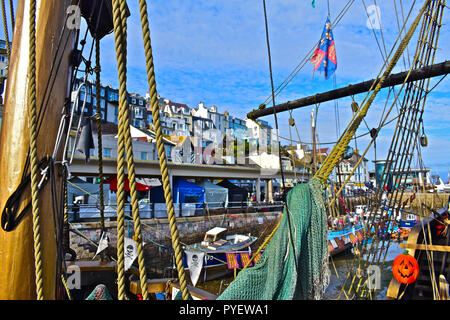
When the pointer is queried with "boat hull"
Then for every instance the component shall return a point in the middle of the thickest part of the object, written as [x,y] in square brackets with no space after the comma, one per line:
[341,240]
[215,261]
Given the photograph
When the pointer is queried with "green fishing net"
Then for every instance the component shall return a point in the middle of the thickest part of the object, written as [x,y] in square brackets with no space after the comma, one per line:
[100,293]
[274,277]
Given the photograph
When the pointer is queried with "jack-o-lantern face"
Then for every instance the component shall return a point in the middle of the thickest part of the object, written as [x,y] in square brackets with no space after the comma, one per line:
[405,268]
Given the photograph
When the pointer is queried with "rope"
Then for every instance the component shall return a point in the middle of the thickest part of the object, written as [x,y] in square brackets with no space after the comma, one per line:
[33,151]
[125,142]
[120,44]
[99,130]
[160,147]
[11,11]
[5,26]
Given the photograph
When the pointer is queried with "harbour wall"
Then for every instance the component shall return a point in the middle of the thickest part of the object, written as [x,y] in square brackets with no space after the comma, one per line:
[84,236]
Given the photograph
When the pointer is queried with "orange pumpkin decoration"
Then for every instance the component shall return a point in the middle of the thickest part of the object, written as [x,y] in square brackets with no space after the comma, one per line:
[405,268]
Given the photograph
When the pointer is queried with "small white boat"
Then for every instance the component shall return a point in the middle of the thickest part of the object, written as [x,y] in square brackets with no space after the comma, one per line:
[215,249]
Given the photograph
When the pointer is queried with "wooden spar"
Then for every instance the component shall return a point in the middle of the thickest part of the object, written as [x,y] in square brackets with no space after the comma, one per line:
[392,80]
[17,276]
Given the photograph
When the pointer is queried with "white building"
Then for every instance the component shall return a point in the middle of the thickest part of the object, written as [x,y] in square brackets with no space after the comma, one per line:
[359,176]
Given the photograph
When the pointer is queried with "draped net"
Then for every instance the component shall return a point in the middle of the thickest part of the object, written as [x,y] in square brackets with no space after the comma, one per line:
[274,277]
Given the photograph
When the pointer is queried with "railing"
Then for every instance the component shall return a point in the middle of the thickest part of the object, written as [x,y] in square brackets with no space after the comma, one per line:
[91,212]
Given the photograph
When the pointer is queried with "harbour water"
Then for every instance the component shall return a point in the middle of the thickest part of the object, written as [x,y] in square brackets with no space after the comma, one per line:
[341,264]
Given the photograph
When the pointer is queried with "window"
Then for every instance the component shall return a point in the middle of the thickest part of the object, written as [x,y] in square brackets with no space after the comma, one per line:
[133,101]
[141,103]
[102,92]
[107,152]
[143,155]
[137,123]
[138,113]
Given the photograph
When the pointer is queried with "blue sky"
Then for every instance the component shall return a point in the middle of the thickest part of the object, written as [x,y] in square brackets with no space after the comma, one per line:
[215,51]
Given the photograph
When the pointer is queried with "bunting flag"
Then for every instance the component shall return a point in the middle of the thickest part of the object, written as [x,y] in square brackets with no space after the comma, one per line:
[245,258]
[256,258]
[340,242]
[232,261]
[103,243]
[195,263]
[353,238]
[359,235]
[330,246]
[130,252]
[324,58]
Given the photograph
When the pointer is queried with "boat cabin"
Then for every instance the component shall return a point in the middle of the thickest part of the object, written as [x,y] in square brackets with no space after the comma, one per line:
[211,235]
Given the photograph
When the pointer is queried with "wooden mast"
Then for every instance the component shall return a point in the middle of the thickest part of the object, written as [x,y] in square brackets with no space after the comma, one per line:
[17,276]
[426,72]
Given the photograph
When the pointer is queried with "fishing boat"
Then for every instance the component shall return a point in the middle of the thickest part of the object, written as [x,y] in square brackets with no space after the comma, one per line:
[215,260]
[343,240]
[408,220]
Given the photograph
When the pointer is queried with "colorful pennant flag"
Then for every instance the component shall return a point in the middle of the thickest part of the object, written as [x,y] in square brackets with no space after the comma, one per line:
[232,261]
[353,238]
[340,242]
[330,246]
[256,258]
[324,58]
[245,258]
[359,235]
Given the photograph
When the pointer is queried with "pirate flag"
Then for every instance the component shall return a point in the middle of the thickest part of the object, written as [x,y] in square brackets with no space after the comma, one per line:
[130,252]
[195,264]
